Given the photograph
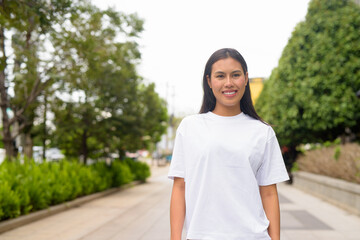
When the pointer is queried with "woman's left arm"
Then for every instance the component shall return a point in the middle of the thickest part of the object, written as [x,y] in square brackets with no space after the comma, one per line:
[270,201]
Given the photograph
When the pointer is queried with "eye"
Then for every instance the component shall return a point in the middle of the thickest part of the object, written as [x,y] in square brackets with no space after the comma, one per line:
[236,75]
[220,76]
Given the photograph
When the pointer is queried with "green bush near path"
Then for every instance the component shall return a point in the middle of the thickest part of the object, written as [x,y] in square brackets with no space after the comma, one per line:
[141,171]
[31,186]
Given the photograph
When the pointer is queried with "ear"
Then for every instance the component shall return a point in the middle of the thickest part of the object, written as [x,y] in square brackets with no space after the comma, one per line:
[208,80]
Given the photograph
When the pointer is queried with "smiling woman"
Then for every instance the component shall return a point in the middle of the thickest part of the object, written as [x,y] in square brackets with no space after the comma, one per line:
[227,69]
[226,162]
[228,83]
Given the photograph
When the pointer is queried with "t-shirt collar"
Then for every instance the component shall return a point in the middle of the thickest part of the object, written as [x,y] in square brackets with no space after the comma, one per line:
[215,116]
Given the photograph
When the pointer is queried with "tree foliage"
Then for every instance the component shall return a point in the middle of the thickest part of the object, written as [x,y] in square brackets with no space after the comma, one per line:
[311,95]
[114,111]
[28,23]
[81,61]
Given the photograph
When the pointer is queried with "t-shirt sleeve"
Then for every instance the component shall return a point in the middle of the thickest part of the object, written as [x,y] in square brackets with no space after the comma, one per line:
[177,165]
[272,169]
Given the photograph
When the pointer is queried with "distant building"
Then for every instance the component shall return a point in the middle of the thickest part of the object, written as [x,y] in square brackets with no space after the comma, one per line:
[256,86]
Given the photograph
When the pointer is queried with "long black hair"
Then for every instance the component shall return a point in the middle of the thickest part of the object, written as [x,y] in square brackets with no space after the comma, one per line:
[209,100]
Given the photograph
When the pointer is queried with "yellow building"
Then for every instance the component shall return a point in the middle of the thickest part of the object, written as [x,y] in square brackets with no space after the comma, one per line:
[256,86]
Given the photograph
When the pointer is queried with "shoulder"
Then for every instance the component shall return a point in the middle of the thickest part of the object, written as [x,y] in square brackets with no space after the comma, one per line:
[192,118]
[190,121]
[261,128]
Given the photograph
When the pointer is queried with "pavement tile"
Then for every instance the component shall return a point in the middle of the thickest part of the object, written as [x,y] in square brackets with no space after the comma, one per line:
[299,235]
[343,224]
[288,221]
[326,234]
[307,220]
[283,199]
[351,235]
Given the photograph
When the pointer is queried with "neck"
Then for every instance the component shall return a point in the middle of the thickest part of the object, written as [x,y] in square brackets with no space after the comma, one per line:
[228,111]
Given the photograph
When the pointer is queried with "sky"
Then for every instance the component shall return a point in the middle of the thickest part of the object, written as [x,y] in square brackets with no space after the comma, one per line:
[180,36]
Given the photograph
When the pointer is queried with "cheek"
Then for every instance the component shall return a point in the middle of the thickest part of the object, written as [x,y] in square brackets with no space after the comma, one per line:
[216,85]
[241,82]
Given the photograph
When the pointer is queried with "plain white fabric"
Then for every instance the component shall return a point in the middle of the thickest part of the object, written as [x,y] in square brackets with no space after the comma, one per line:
[223,161]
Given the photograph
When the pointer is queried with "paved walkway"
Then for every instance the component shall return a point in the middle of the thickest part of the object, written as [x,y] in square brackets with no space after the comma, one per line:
[142,213]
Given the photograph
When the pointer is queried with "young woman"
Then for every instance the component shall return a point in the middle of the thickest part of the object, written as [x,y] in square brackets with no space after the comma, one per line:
[226,162]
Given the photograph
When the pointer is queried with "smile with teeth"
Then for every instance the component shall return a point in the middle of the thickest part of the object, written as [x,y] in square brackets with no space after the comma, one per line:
[230,93]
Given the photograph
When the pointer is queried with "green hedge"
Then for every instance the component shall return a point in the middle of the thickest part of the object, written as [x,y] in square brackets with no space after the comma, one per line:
[30,186]
[140,170]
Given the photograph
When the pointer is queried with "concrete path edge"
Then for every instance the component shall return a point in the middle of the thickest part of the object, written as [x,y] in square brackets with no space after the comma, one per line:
[29,218]
[336,191]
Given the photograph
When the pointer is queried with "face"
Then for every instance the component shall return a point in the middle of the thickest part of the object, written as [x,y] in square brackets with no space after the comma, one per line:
[227,81]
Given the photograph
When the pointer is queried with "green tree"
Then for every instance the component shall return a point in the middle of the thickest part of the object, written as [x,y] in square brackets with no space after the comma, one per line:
[155,117]
[97,60]
[311,95]
[140,123]
[28,23]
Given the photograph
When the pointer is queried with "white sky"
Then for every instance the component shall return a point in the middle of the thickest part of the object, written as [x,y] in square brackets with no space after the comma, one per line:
[180,36]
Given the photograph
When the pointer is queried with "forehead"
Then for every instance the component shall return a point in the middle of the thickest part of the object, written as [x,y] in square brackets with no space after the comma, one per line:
[226,65]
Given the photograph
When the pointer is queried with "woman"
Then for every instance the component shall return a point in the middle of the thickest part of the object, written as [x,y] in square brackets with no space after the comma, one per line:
[226,162]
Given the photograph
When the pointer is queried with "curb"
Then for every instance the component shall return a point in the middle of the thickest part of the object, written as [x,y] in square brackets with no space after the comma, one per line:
[29,218]
[336,191]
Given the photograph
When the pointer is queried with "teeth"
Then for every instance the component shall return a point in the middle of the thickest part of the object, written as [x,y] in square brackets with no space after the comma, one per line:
[229,93]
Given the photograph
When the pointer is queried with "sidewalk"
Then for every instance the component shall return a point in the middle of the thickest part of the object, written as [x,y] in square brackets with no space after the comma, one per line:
[306,217]
[142,213]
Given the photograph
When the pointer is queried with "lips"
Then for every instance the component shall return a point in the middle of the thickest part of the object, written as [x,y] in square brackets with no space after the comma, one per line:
[229,93]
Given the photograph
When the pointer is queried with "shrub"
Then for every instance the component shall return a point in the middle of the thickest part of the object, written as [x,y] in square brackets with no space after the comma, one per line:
[9,202]
[24,199]
[139,169]
[28,186]
[61,185]
[87,185]
[104,176]
[337,153]
[122,173]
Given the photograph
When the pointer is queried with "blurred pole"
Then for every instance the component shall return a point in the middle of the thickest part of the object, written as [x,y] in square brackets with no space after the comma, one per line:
[167,132]
[172,116]
[44,129]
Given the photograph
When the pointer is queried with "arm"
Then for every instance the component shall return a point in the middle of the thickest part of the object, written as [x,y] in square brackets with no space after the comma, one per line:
[177,208]
[270,201]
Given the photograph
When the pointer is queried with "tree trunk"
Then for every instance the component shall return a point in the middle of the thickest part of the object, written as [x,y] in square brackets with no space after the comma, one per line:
[8,145]
[122,153]
[8,137]
[44,129]
[28,146]
[4,103]
[84,150]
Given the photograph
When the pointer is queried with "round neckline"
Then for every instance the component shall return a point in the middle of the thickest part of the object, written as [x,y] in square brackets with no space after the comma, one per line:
[216,116]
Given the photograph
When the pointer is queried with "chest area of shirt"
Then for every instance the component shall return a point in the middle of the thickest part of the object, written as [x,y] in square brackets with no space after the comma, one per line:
[230,137]
[230,145]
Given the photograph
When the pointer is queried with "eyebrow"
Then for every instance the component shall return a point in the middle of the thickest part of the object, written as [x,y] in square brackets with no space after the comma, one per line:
[217,72]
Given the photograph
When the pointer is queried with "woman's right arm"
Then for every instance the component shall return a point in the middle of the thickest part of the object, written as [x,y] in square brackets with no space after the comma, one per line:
[177,208]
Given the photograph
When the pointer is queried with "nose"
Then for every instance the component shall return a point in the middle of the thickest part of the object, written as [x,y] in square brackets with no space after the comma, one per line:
[228,82]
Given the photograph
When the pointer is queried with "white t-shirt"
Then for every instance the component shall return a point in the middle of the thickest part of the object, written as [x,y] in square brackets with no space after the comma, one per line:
[223,161]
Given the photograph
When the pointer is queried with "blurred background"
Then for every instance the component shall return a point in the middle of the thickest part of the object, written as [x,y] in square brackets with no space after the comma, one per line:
[106,83]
